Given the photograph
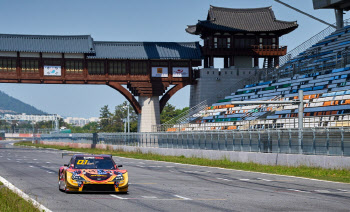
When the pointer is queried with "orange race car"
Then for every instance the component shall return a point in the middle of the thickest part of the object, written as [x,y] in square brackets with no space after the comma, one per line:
[94,173]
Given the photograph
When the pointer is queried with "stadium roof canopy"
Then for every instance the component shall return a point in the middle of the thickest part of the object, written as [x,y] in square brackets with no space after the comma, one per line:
[332,4]
[97,49]
[242,20]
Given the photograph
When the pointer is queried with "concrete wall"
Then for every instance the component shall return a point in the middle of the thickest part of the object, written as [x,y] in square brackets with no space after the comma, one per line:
[214,84]
[331,162]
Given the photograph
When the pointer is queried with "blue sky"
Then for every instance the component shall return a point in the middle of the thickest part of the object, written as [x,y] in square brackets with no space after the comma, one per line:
[131,20]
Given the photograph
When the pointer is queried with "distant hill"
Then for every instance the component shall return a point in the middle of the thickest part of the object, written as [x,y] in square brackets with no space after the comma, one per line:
[9,104]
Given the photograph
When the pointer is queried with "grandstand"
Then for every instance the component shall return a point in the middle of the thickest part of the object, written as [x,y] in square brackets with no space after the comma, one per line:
[322,72]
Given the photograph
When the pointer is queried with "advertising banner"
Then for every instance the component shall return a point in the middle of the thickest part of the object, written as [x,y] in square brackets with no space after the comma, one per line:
[159,72]
[52,70]
[180,72]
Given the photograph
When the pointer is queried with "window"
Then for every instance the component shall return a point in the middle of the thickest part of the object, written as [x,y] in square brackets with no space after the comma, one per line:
[7,65]
[215,42]
[228,42]
[30,66]
[96,67]
[52,62]
[74,67]
[138,68]
[117,67]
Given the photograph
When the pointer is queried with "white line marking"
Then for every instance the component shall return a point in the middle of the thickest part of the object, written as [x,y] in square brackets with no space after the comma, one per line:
[47,162]
[322,191]
[184,198]
[264,179]
[298,190]
[342,190]
[49,172]
[24,195]
[149,197]
[170,166]
[244,179]
[31,166]
[8,159]
[118,197]
[223,179]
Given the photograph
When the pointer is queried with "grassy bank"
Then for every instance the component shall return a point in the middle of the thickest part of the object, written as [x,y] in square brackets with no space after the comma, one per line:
[10,202]
[302,171]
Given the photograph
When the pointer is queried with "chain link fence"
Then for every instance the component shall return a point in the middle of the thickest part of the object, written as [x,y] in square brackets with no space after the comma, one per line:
[325,141]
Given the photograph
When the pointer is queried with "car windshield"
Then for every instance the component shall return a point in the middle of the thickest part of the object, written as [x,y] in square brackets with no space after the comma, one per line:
[93,162]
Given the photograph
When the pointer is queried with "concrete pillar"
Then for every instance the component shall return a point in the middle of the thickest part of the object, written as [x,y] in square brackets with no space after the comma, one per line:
[150,113]
[339,17]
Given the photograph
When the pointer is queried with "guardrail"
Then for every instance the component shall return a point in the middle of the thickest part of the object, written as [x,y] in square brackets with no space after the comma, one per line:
[330,141]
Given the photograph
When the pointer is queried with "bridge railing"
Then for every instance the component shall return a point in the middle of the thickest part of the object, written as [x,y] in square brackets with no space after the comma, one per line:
[324,141]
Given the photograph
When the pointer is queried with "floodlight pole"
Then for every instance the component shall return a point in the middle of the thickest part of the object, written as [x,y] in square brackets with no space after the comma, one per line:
[128,117]
[300,120]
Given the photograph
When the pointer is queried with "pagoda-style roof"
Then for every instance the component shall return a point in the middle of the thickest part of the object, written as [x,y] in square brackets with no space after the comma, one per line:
[47,43]
[242,20]
[147,50]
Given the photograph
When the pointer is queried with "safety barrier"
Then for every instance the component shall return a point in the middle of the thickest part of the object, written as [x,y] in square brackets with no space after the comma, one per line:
[330,141]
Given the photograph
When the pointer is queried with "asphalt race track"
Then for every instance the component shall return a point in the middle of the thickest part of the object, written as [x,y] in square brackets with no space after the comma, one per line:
[159,186]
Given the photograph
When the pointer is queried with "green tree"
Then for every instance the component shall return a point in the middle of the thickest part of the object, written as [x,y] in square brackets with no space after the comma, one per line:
[105,118]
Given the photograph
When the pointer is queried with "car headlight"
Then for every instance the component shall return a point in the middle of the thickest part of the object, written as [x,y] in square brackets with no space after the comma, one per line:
[77,178]
[119,177]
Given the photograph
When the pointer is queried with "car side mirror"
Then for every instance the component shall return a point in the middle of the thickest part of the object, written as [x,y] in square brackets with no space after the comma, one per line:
[120,165]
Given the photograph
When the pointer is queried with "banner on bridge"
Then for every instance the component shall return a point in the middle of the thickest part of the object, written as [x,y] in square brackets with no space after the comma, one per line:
[52,70]
[180,72]
[159,72]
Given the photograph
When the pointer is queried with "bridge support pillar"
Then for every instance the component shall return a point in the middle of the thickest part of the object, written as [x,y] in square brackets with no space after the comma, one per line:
[150,115]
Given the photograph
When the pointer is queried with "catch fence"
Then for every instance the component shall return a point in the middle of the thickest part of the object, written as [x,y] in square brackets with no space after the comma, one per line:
[326,141]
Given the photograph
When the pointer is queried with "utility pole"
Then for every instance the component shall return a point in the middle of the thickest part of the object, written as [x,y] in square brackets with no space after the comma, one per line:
[128,117]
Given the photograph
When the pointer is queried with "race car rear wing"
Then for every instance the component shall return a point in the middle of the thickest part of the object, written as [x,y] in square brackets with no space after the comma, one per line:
[68,154]
[71,154]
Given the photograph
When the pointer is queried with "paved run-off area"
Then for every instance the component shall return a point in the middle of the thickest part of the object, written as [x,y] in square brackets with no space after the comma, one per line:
[160,186]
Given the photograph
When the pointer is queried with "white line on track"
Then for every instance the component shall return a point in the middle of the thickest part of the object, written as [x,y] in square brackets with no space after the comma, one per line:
[342,190]
[49,172]
[244,179]
[31,166]
[24,195]
[181,197]
[223,179]
[149,197]
[264,179]
[298,190]
[118,197]
[322,191]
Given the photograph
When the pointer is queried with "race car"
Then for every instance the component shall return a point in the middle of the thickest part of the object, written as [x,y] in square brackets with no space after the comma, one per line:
[92,173]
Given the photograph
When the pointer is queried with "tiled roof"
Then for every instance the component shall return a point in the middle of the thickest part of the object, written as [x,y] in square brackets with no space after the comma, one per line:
[242,20]
[47,43]
[147,50]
